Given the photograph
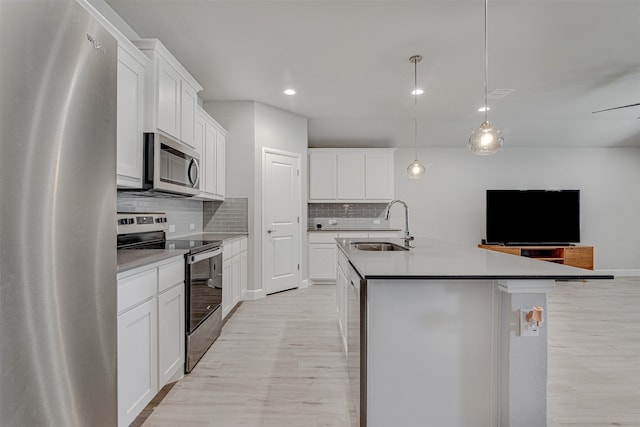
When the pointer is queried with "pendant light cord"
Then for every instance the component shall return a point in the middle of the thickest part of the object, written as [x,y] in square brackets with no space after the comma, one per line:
[415,106]
[486,63]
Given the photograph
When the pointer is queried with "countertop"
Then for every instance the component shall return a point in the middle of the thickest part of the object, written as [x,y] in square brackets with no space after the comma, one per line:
[436,259]
[132,258]
[337,230]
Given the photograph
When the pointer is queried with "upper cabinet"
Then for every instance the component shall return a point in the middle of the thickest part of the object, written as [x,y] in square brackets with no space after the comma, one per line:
[132,64]
[130,112]
[170,94]
[351,175]
[209,141]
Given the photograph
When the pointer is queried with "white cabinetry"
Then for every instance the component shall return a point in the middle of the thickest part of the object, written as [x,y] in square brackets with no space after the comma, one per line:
[322,256]
[379,175]
[210,139]
[323,183]
[171,318]
[351,178]
[132,64]
[322,251]
[342,288]
[150,333]
[234,273]
[351,175]
[130,110]
[170,94]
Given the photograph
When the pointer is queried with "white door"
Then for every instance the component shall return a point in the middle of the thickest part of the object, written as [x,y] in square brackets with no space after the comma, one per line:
[281,222]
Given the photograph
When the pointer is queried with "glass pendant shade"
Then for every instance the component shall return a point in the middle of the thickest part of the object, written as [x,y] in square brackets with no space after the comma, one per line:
[487,139]
[415,169]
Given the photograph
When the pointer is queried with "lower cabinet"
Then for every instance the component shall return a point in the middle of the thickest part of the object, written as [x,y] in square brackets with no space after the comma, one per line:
[137,360]
[171,333]
[151,333]
[234,273]
[322,251]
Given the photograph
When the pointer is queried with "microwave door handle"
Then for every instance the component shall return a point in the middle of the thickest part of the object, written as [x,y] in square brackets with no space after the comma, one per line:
[192,259]
[194,164]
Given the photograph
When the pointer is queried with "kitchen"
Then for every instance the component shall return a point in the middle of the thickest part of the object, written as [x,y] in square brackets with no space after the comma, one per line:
[455,181]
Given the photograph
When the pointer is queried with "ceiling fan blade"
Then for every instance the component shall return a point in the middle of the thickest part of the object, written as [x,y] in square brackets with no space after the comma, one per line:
[617,108]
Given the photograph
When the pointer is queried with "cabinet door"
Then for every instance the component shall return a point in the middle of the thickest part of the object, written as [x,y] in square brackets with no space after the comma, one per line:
[137,360]
[130,106]
[236,278]
[322,175]
[199,146]
[171,333]
[210,161]
[351,176]
[188,102]
[226,287]
[220,164]
[322,261]
[379,176]
[243,274]
[169,89]
[342,286]
[579,256]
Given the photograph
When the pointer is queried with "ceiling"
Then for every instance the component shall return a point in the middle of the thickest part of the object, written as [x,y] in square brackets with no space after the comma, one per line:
[348,60]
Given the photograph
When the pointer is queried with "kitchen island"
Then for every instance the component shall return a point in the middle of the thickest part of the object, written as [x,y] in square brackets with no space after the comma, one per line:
[433,335]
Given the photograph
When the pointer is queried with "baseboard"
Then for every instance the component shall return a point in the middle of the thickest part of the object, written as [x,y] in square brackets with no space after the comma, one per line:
[255,294]
[621,272]
[322,282]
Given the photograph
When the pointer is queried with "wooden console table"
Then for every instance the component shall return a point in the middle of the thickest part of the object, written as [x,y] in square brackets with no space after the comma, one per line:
[575,256]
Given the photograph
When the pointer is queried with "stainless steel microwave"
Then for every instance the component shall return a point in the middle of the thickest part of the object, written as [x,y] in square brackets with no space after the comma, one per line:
[170,166]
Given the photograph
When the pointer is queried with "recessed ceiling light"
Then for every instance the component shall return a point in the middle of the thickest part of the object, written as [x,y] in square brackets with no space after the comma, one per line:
[482,109]
[417,92]
[289,92]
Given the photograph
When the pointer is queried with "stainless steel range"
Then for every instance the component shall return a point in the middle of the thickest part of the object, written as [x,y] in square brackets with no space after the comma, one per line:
[203,276]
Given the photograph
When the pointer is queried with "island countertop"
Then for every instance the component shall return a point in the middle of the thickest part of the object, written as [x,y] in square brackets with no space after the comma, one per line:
[435,259]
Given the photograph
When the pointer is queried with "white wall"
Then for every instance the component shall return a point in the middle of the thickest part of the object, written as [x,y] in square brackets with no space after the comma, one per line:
[253,126]
[281,130]
[449,202]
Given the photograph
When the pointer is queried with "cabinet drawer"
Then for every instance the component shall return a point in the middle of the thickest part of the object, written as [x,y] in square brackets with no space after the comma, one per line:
[135,289]
[170,275]
[322,237]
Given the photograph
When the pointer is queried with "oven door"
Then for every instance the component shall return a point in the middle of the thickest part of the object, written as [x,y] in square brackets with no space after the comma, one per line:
[204,286]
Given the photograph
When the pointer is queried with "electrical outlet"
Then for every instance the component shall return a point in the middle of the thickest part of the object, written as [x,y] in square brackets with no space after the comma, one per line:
[172,228]
[526,330]
[192,226]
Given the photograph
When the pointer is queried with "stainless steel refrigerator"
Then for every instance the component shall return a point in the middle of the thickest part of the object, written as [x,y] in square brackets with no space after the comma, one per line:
[57,216]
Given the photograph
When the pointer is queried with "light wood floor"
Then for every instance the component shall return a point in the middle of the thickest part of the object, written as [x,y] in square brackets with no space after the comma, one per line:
[278,363]
[594,353]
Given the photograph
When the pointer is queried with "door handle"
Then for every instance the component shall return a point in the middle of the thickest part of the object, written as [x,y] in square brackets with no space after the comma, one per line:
[270,230]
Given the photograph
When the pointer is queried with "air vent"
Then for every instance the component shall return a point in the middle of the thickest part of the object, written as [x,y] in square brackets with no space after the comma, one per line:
[499,93]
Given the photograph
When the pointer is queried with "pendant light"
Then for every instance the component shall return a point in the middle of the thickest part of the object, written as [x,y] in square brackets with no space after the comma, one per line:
[487,139]
[415,168]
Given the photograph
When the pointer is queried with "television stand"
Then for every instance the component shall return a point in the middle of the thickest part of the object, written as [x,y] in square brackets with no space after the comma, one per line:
[572,255]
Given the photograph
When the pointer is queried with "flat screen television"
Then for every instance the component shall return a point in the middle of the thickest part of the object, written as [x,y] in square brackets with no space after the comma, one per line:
[533,217]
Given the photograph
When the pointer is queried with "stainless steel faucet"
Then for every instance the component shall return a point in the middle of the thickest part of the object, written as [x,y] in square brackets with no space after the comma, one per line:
[407,237]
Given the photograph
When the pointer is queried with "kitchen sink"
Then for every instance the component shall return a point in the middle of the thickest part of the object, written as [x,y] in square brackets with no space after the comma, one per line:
[378,246]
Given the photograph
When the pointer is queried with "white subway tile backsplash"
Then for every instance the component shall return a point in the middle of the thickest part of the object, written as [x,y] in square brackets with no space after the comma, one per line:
[181,212]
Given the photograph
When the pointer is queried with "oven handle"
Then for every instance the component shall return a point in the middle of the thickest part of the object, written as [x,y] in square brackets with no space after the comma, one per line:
[192,259]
